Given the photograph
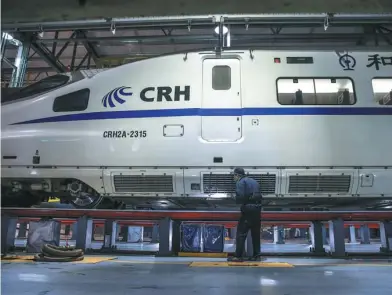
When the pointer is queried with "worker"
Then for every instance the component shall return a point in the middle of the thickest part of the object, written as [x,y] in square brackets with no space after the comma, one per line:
[248,195]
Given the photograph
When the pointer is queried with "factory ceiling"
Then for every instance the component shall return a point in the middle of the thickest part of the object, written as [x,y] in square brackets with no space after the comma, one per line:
[60,10]
[91,34]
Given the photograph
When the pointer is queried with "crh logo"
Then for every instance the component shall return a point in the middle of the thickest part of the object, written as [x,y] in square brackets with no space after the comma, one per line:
[116,96]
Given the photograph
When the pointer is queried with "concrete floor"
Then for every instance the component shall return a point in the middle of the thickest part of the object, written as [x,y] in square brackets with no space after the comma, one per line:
[150,275]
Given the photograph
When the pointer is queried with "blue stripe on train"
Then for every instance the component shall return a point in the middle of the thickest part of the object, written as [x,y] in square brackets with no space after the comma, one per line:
[272,111]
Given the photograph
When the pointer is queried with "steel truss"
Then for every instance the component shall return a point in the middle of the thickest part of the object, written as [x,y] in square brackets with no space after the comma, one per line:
[326,31]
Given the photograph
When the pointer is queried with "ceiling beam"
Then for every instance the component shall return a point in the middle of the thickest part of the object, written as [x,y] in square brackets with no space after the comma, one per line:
[90,48]
[48,57]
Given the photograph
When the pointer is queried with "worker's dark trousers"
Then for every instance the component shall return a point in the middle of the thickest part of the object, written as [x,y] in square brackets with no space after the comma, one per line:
[248,221]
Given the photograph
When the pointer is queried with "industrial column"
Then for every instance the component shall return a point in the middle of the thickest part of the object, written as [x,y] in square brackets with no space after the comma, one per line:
[386,236]
[336,237]
[155,234]
[278,235]
[22,233]
[316,235]
[19,72]
[233,234]
[353,238]
[365,234]
[169,237]
[324,235]
[8,232]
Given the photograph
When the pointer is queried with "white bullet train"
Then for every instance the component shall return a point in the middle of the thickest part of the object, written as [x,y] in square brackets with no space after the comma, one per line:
[306,124]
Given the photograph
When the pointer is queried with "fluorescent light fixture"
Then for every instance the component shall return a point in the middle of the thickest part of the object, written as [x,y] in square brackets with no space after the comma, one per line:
[7,36]
[224,30]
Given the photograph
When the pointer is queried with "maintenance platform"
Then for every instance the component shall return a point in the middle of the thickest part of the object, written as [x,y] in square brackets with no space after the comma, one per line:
[186,252]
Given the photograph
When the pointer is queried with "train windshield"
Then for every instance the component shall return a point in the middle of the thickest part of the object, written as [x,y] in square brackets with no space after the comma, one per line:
[44,85]
[39,87]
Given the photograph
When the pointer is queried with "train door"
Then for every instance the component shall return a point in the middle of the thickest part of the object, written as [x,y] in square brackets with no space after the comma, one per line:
[221,102]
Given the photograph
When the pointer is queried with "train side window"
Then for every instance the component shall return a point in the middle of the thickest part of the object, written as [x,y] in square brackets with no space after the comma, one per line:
[323,91]
[295,91]
[382,90]
[221,78]
[334,91]
[72,102]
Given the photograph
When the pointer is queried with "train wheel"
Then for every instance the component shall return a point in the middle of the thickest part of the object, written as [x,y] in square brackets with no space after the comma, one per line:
[86,200]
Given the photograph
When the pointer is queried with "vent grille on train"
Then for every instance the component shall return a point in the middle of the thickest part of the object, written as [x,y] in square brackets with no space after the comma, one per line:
[224,183]
[144,183]
[319,183]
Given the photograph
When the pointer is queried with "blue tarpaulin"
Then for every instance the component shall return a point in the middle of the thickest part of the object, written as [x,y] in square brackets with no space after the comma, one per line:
[213,238]
[190,237]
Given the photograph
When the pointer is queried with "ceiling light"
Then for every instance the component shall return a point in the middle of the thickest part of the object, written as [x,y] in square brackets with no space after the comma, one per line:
[7,36]
[224,30]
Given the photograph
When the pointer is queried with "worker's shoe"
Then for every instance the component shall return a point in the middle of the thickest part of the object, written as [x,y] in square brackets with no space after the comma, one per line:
[257,258]
[235,259]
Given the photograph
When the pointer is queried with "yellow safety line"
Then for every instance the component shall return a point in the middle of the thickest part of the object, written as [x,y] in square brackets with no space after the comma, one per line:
[152,262]
[240,264]
[209,255]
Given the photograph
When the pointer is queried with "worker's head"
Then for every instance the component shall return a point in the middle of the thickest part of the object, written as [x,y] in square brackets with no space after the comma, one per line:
[238,173]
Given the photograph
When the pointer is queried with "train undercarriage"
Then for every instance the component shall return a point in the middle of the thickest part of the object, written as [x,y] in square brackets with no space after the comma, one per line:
[28,192]
[81,196]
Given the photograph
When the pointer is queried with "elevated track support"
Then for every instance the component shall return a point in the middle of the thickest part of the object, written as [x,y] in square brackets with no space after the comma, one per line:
[170,223]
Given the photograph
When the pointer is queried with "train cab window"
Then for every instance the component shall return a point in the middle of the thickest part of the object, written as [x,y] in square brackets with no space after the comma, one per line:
[44,85]
[318,91]
[382,90]
[72,102]
[221,78]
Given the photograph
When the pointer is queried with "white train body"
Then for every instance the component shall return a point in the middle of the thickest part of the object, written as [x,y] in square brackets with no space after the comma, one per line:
[176,125]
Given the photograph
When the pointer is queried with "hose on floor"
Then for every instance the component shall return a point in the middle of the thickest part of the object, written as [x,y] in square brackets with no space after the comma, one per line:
[51,253]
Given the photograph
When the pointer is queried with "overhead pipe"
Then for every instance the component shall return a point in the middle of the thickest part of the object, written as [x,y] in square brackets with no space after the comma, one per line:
[198,39]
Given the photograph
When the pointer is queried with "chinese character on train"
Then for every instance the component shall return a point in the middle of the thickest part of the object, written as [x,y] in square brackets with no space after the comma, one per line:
[375,60]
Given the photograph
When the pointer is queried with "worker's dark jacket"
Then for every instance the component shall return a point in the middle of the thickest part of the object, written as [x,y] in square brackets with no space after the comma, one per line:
[248,194]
